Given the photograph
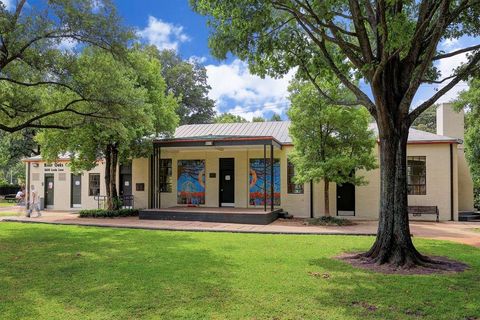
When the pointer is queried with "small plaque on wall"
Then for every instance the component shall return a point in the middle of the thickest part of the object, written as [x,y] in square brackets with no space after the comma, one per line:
[212,175]
[140,187]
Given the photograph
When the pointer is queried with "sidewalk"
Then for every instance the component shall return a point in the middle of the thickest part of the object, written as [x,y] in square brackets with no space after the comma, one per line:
[461,232]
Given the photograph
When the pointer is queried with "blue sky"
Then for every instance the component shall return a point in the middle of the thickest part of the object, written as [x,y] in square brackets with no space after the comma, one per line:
[172,24]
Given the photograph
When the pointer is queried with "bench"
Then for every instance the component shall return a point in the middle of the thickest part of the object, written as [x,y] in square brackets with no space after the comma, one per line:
[11,198]
[417,211]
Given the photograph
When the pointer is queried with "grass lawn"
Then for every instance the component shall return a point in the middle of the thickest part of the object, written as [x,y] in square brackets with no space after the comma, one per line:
[69,272]
[4,203]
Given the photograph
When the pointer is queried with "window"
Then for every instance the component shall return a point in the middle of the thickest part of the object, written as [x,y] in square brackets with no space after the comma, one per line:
[292,187]
[416,175]
[165,178]
[94,184]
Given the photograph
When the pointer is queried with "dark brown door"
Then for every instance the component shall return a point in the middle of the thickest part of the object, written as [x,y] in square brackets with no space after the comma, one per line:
[49,189]
[227,182]
[346,199]
[76,191]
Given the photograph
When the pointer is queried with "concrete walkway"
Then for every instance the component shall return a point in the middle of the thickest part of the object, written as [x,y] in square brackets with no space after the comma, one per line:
[461,232]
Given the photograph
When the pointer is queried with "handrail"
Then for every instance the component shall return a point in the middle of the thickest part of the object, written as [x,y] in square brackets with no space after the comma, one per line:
[126,200]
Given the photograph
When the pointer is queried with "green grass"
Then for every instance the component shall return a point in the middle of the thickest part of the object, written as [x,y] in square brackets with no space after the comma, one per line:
[69,272]
[4,203]
[8,213]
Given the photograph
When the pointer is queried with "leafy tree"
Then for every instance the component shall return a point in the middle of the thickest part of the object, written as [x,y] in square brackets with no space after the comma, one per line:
[142,111]
[188,81]
[469,100]
[258,119]
[391,45]
[331,142]
[37,85]
[229,118]
[14,147]
[275,117]
[427,121]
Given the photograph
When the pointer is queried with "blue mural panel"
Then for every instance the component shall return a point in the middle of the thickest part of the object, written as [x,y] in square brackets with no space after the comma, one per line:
[258,175]
[191,182]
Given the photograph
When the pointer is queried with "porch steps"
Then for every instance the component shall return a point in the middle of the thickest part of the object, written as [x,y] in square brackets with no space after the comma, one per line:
[210,215]
[469,216]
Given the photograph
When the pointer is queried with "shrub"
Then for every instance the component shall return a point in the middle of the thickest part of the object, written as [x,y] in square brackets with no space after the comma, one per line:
[102,213]
[329,221]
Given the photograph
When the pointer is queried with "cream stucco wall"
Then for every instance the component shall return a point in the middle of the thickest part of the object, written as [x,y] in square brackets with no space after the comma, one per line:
[62,184]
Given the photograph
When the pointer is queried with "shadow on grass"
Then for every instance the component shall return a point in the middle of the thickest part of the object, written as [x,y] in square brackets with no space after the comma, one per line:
[107,273]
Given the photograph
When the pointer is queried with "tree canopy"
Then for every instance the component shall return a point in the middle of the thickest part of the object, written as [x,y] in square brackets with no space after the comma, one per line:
[37,74]
[469,101]
[188,81]
[331,143]
[142,112]
[393,46]
[229,118]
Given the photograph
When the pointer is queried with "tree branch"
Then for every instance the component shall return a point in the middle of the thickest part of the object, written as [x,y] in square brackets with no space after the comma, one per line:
[454,53]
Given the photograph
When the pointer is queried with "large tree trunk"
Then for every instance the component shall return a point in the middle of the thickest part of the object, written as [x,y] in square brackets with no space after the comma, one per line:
[111,162]
[393,244]
[327,197]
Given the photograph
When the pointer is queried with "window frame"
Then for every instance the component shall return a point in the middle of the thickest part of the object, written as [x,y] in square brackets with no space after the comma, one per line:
[416,189]
[90,175]
[292,187]
[165,176]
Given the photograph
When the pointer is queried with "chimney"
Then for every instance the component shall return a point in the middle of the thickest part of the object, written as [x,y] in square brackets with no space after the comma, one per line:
[450,123]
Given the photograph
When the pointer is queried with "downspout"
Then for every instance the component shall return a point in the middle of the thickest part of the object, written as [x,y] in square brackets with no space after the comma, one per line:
[452,209]
[311,199]
[27,198]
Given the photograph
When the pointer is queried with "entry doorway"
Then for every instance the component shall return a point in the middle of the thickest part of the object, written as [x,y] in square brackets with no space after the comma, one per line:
[345,199]
[227,182]
[49,186]
[126,185]
[76,191]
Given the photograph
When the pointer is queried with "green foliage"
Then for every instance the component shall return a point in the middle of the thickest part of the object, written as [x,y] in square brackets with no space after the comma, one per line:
[469,100]
[328,221]
[142,110]
[187,80]
[275,117]
[229,118]
[427,121]
[101,213]
[330,141]
[39,80]
[258,119]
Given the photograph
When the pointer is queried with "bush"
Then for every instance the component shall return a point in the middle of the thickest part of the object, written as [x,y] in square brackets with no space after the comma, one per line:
[102,213]
[477,199]
[328,221]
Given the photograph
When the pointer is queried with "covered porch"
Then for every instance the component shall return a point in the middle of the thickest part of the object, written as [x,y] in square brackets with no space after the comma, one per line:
[210,178]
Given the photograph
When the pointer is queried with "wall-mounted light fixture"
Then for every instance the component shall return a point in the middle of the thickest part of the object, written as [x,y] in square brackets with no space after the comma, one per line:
[209,143]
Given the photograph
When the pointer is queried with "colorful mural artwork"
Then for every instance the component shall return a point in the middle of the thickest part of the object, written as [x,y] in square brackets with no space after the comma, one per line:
[257,178]
[191,182]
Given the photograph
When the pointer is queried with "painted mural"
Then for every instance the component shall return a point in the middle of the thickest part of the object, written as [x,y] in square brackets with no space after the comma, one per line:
[257,178]
[191,182]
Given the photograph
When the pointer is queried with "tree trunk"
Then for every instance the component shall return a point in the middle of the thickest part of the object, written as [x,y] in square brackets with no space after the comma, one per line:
[393,244]
[108,164]
[111,162]
[113,180]
[327,197]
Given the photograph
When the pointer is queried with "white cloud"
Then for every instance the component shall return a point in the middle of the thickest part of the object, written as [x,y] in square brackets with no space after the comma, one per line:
[162,34]
[9,4]
[447,66]
[67,45]
[450,43]
[197,59]
[238,91]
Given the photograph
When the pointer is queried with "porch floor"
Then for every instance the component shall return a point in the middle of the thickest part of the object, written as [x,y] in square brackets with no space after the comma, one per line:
[212,214]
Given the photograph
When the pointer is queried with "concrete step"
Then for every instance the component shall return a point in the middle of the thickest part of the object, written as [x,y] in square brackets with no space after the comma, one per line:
[469,216]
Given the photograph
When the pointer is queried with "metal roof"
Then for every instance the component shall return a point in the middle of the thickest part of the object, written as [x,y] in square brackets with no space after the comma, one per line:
[279,131]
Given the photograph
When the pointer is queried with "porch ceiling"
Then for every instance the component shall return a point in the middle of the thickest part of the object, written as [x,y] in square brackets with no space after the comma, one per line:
[218,141]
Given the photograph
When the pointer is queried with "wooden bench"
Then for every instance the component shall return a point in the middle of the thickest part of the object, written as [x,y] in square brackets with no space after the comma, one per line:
[417,211]
[11,198]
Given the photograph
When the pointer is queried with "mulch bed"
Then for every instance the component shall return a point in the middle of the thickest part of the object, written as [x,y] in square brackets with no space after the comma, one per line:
[446,266]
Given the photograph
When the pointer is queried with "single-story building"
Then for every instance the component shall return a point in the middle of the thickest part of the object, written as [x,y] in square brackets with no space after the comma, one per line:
[245,166]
